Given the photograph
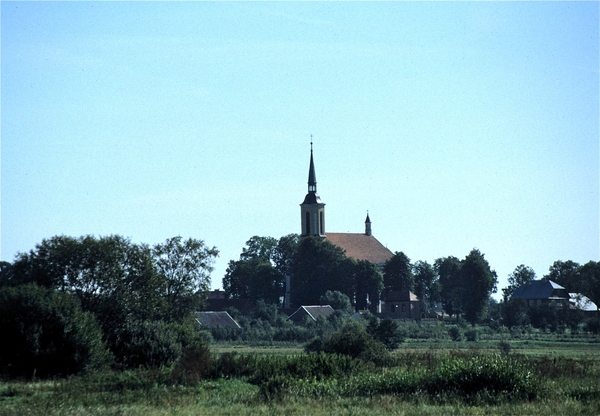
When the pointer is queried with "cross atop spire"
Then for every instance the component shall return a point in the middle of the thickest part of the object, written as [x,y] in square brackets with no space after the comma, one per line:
[312,177]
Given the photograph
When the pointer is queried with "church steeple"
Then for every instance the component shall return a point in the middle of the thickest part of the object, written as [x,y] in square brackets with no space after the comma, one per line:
[312,177]
[368,225]
[312,209]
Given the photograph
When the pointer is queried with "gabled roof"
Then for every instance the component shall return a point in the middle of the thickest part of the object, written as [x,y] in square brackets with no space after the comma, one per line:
[212,319]
[361,247]
[540,289]
[313,311]
[399,296]
[582,302]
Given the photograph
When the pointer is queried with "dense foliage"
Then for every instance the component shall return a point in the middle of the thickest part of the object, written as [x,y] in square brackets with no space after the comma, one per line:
[139,296]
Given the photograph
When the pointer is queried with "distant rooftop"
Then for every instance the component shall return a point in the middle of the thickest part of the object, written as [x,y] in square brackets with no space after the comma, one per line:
[361,247]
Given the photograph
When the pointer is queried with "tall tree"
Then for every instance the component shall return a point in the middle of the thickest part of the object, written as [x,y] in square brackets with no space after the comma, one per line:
[185,267]
[522,275]
[590,281]
[368,284]
[566,274]
[478,283]
[398,274]
[427,287]
[448,270]
[255,275]
[319,266]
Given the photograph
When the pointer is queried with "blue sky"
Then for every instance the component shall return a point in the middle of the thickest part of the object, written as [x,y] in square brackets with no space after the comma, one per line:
[456,125]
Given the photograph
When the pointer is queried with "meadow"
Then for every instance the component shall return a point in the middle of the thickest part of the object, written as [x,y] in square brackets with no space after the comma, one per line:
[541,374]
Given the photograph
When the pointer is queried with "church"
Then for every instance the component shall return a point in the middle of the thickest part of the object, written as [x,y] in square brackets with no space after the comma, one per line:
[359,246]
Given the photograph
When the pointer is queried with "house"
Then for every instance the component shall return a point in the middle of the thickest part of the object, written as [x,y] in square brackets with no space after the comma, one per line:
[313,312]
[401,305]
[541,292]
[213,319]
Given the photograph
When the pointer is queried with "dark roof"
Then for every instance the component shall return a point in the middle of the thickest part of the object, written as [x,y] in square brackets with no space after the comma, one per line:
[540,289]
[361,247]
[314,312]
[399,296]
[312,198]
[212,319]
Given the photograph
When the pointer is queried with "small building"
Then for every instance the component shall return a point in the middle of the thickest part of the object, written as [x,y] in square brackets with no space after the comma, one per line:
[401,305]
[313,312]
[582,302]
[542,292]
[211,319]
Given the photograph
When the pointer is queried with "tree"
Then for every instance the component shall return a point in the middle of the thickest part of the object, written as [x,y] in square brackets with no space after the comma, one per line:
[338,301]
[259,247]
[45,334]
[398,274]
[255,276]
[590,281]
[368,285]
[566,274]
[185,268]
[521,276]
[448,270]
[427,287]
[319,266]
[478,282]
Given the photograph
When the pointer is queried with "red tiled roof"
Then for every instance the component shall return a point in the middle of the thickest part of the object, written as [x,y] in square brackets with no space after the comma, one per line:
[361,247]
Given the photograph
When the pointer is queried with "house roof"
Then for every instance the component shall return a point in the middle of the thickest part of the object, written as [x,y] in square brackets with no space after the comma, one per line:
[361,247]
[582,302]
[399,296]
[313,311]
[540,289]
[211,319]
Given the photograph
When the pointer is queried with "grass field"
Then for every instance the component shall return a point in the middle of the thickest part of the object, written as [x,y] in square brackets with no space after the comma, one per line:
[566,372]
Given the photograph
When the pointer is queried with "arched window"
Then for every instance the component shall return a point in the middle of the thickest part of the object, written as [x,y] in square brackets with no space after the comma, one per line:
[321,224]
[307,223]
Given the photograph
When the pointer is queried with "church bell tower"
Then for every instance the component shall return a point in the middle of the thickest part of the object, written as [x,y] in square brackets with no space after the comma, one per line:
[312,210]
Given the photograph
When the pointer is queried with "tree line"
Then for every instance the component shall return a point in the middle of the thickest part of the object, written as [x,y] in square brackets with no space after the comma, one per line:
[72,303]
[316,266]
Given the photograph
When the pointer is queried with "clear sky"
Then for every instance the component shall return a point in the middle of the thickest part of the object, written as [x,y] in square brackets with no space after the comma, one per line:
[456,125]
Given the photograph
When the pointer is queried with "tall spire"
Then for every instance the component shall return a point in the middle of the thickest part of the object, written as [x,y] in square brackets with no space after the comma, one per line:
[312,209]
[312,177]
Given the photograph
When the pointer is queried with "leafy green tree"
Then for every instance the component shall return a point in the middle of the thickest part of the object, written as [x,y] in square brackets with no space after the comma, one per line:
[521,276]
[353,340]
[45,334]
[319,266]
[398,274]
[6,274]
[368,285]
[259,247]
[427,287]
[590,281]
[338,301]
[287,246]
[387,331]
[478,283]
[566,274]
[185,267]
[448,270]
[515,312]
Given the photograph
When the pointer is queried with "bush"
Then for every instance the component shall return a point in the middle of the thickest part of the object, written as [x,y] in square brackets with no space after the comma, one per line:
[456,333]
[386,331]
[46,334]
[471,335]
[353,340]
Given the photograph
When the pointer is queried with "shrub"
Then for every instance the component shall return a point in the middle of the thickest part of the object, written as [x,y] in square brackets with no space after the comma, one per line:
[456,333]
[471,335]
[353,340]
[386,331]
[45,334]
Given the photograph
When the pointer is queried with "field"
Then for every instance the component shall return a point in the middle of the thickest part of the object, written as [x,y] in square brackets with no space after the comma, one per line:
[543,375]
